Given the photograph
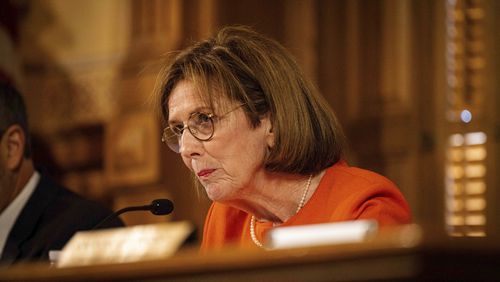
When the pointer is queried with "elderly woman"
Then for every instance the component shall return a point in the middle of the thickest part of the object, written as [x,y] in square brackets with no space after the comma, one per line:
[263,143]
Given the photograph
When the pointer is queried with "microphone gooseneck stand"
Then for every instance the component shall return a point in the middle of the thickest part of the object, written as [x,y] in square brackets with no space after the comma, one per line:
[157,207]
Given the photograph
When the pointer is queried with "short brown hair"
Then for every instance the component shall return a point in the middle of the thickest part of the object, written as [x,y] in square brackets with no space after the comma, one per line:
[258,72]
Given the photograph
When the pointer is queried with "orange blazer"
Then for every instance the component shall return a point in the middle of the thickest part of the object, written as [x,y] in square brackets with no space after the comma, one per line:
[344,193]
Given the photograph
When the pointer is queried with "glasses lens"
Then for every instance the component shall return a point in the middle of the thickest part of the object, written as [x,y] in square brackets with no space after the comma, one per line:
[171,139]
[201,126]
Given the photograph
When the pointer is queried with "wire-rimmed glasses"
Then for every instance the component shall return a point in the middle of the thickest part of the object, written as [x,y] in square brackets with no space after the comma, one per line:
[199,124]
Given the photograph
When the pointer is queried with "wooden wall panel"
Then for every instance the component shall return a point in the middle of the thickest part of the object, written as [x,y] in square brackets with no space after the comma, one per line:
[492,89]
[379,63]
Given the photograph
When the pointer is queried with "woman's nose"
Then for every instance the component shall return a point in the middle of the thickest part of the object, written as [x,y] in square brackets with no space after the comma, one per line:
[189,146]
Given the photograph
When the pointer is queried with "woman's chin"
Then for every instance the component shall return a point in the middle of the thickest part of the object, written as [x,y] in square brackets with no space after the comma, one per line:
[214,193]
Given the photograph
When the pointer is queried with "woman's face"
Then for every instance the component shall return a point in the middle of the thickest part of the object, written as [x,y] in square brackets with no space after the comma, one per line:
[231,163]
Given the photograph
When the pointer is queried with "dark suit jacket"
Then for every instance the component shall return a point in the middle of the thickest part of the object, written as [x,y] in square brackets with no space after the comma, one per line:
[51,216]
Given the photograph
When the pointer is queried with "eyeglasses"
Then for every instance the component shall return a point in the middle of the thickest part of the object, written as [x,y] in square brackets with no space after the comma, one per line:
[199,124]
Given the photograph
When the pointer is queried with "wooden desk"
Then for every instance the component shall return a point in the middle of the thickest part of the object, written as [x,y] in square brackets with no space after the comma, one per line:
[402,255]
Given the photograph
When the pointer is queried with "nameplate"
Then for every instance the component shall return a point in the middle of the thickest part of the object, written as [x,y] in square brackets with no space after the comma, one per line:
[321,234]
[127,244]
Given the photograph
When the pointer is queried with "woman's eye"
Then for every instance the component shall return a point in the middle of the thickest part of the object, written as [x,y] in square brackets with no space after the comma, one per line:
[202,118]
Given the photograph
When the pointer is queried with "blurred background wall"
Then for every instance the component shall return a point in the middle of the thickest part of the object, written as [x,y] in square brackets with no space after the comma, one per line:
[414,83]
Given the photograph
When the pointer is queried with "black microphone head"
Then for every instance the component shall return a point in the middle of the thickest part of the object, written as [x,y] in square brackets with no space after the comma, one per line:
[161,207]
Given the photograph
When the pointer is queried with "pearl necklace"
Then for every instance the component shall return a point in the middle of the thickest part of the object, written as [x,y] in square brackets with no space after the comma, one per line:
[301,204]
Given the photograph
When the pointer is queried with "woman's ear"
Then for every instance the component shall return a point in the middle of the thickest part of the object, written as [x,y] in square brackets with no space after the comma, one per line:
[269,131]
[13,141]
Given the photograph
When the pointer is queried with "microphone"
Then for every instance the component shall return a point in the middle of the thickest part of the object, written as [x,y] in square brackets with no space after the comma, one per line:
[157,207]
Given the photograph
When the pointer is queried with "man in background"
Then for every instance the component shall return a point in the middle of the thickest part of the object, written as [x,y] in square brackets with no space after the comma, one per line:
[36,214]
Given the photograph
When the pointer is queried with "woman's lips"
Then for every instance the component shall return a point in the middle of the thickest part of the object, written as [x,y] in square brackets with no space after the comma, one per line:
[205,172]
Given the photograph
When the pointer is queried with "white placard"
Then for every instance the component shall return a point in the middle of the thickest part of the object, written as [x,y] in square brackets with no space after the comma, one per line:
[321,234]
[127,244]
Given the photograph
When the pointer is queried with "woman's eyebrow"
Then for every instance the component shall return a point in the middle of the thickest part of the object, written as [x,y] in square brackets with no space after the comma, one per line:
[204,109]
[201,109]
